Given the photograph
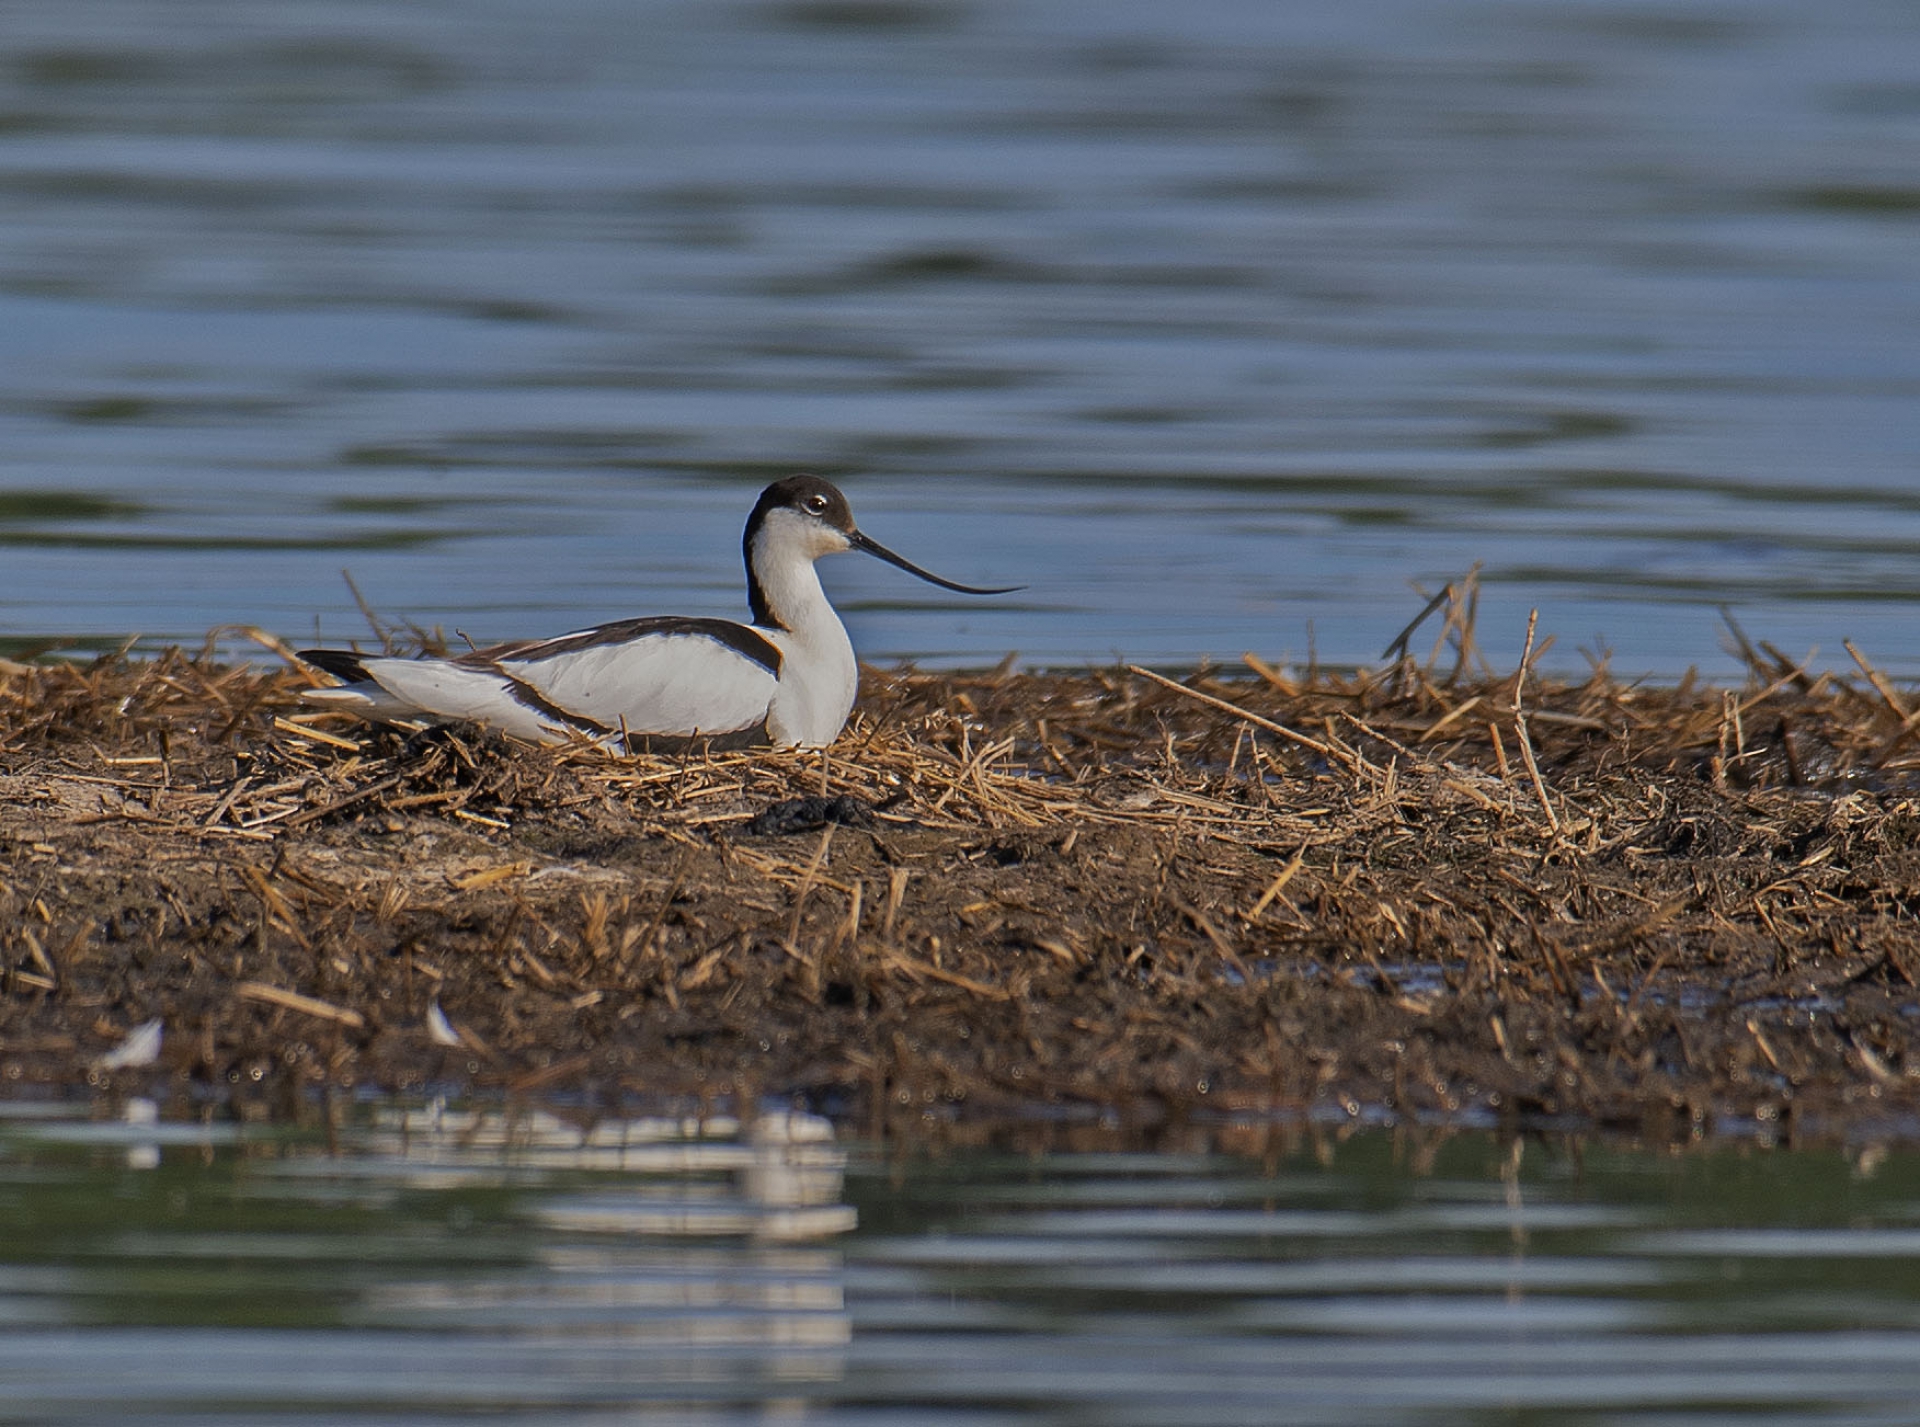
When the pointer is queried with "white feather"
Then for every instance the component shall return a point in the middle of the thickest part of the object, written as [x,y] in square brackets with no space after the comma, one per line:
[678,684]
[439,1029]
[435,688]
[140,1047]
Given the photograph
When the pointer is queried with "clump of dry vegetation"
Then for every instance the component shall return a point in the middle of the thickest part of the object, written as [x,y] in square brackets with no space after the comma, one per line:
[1427,891]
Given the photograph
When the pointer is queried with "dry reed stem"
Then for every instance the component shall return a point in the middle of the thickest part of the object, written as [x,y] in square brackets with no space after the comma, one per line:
[1064,858]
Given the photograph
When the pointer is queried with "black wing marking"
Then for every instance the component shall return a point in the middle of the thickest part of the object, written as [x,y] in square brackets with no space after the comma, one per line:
[754,735]
[531,697]
[341,663]
[740,638]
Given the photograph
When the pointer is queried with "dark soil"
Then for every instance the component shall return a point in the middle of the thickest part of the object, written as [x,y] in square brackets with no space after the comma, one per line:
[1679,911]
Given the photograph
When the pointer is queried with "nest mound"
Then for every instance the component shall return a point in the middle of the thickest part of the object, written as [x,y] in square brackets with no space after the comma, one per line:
[1397,894]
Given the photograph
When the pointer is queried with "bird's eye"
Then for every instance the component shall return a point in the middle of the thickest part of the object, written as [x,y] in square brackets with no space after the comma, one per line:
[817,504]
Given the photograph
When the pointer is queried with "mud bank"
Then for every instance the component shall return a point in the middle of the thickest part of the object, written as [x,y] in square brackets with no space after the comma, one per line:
[1402,894]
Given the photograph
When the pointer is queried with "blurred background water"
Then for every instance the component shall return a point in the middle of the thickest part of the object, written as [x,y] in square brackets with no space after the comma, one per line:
[1215,324]
[440,1266]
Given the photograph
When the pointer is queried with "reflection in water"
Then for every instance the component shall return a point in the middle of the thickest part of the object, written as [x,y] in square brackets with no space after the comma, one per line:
[464,1265]
[624,1266]
[1410,1281]
[475,1262]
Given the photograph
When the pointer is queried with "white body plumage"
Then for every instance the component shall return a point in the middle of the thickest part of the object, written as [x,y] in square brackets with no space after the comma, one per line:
[788,678]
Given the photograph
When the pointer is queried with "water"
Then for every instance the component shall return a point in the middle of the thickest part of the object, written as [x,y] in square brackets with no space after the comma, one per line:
[1215,324]
[446,1266]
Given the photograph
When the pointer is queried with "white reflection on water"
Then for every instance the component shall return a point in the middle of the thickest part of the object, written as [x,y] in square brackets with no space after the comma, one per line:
[620,1263]
[647,1260]
[534,1267]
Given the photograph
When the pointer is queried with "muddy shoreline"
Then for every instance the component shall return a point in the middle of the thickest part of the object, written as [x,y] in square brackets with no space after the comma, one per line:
[1413,895]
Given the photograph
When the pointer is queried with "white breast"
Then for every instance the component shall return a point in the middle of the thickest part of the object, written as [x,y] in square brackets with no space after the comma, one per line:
[819,678]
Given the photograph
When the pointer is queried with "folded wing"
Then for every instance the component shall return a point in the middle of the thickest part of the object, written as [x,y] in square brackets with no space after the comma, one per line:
[672,678]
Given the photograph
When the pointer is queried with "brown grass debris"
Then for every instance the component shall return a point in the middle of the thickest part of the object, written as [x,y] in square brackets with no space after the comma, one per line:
[1423,891]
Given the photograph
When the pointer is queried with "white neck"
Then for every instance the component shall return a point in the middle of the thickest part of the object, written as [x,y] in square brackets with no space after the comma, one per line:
[791,587]
[818,673]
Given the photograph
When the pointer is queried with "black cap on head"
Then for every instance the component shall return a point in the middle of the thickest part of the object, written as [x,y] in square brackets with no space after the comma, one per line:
[805,495]
[821,500]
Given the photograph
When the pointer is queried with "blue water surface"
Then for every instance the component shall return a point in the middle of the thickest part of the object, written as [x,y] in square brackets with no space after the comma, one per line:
[1217,325]
[428,1265]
